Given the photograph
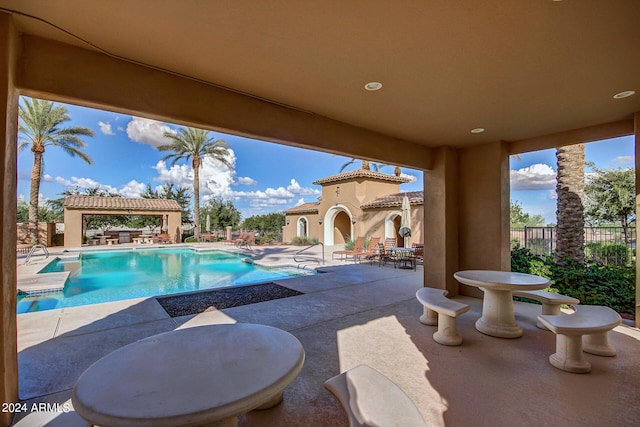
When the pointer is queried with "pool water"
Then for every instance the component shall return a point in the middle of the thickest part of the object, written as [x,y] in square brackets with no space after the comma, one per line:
[118,275]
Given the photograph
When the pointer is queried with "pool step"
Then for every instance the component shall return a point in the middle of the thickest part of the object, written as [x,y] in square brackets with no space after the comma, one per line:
[41,283]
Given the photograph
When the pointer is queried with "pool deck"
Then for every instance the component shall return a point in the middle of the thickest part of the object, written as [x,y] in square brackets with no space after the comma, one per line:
[354,314]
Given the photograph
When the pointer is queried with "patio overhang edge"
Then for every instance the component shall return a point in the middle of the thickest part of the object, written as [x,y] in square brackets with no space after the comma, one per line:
[81,76]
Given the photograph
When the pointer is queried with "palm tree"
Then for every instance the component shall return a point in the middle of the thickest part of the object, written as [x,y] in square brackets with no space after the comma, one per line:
[195,144]
[570,204]
[41,126]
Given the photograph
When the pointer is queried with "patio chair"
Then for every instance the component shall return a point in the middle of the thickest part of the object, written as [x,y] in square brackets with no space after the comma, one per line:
[241,238]
[386,254]
[372,250]
[418,254]
[358,248]
[164,238]
[247,242]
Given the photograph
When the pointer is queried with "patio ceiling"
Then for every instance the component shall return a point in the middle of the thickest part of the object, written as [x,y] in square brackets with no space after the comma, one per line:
[518,69]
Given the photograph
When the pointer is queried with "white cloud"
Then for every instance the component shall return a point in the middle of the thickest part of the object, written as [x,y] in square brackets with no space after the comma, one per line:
[147,131]
[295,188]
[274,198]
[411,177]
[535,177]
[47,178]
[132,189]
[105,128]
[84,183]
[245,180]
[624,160]
[180,175]
[215,177]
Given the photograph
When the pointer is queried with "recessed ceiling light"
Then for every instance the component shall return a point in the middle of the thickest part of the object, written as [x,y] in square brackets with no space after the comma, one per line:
[624,94]
[373,86]
[477,130]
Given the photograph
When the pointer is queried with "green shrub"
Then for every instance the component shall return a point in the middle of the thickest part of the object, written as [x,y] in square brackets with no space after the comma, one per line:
[349,243]
[304,241]
[268,238]
[608,253]
[593,284]
[524,261]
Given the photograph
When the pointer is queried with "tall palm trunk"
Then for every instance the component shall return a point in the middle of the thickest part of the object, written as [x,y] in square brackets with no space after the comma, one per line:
[570,204]
[196,197]
[36,173]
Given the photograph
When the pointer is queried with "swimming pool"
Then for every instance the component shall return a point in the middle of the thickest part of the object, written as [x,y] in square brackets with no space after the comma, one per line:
[98,277]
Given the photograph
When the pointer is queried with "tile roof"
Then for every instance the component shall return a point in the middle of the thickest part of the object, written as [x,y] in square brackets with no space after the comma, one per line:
[361,173]
[395,200]
[120,203]
[311,207]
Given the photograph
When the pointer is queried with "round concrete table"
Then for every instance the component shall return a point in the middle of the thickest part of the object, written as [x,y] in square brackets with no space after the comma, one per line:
[206,375]
[498,318]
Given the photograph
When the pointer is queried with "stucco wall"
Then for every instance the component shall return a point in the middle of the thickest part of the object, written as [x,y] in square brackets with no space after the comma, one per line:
[8,207]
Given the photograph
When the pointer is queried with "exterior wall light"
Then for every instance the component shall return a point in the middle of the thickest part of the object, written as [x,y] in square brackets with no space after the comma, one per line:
[320,221]
[354,219]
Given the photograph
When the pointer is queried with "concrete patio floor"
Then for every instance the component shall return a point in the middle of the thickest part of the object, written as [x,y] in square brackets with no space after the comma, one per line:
[351,315]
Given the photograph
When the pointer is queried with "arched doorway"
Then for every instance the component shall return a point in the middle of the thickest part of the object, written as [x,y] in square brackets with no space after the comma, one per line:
[392,226]
[337,225]
[303,227]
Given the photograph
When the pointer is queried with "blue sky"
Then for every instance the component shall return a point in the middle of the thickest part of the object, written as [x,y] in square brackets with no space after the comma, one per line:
[264,177]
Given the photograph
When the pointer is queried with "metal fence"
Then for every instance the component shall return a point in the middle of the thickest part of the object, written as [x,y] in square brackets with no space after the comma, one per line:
[607,245]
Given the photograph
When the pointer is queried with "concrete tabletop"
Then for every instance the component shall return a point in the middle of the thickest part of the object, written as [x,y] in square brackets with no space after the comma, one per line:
[189,377]
[501,280]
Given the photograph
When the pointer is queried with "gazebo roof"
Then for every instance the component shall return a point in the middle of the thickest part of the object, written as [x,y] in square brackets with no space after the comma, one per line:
[361,173]
[120,203]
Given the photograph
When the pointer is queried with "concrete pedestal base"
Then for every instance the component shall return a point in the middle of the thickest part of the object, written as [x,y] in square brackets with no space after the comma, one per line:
[498,318]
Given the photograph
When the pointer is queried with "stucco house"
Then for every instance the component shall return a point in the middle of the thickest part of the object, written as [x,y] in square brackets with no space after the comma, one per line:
[356,203]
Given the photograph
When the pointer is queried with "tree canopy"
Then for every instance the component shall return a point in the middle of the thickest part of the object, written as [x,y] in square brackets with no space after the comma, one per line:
[269,222]
[610,196]
[170,191]
[520,218]
[222,213]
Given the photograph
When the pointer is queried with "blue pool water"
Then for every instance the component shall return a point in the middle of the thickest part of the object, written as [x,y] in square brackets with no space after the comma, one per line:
[117,275]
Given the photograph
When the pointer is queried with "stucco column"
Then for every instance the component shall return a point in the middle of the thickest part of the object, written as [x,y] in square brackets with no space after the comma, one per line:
[174,226]
[637,152]
[8,234]
[466,214]
[484,210]
[73,232]
[441,221]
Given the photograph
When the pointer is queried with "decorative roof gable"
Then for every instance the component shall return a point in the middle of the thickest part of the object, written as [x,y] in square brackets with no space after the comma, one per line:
[361,173]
